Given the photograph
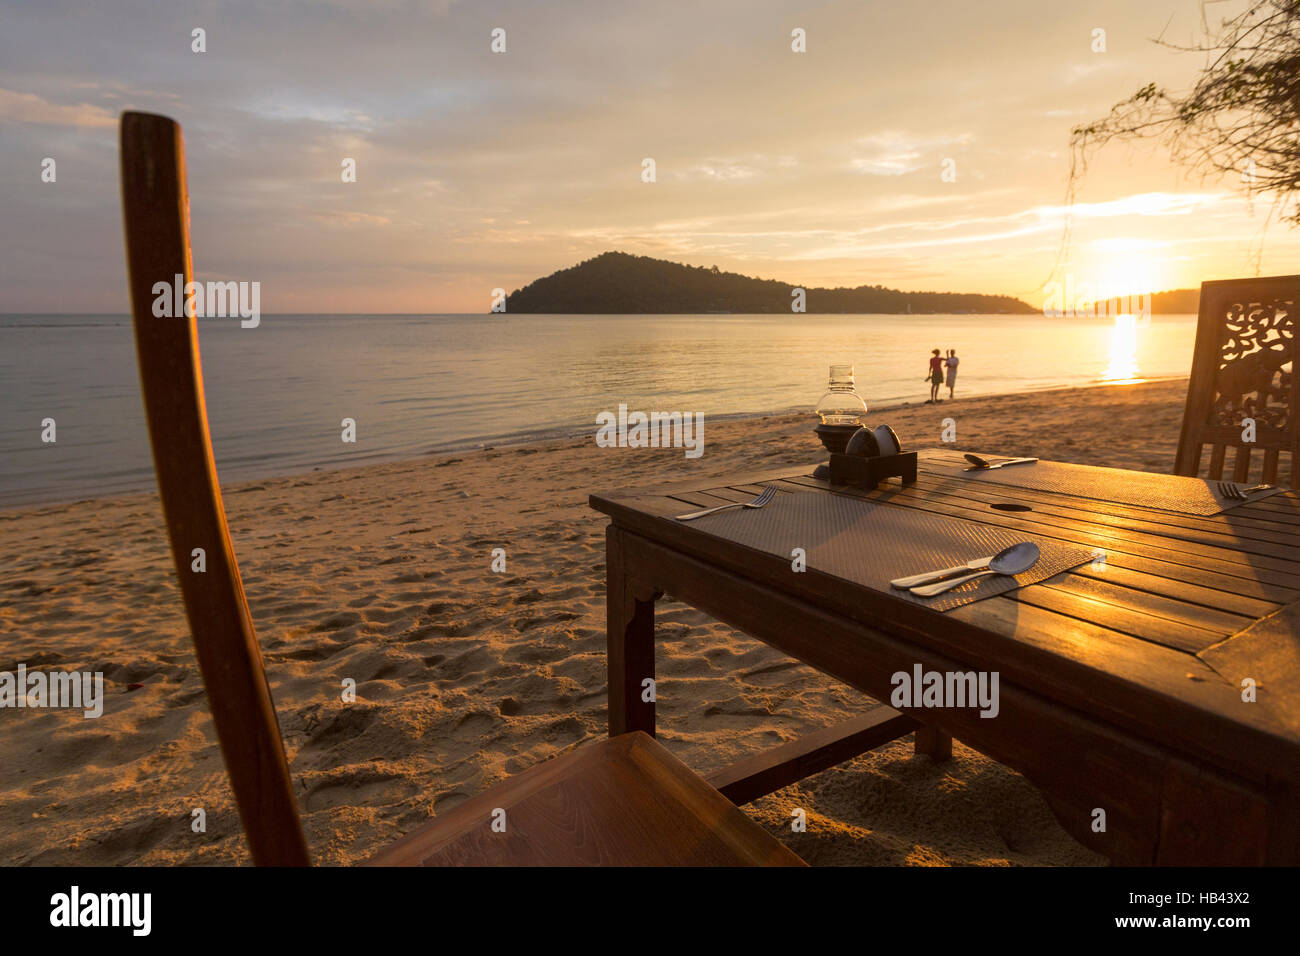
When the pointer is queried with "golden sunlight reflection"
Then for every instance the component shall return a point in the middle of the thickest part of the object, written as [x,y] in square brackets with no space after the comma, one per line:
[1123,366]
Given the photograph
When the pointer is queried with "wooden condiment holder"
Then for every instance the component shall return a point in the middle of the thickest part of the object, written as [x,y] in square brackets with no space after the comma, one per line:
[868,473]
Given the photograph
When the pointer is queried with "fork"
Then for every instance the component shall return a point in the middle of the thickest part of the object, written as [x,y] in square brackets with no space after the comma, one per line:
[1230,490]
[764,497]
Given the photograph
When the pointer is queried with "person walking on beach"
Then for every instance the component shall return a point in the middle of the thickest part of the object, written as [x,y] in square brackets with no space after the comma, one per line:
[935,376]
[952,370]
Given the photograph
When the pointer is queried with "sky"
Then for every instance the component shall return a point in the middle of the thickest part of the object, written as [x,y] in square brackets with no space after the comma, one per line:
[477,170]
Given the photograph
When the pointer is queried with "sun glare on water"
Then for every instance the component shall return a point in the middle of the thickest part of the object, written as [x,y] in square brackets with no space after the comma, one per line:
[1123,367]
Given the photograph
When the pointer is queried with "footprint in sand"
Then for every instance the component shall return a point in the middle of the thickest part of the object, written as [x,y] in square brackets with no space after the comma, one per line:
[349,722]
[553,617]
[313,653]
[338,621]
[359,787]
[534,595]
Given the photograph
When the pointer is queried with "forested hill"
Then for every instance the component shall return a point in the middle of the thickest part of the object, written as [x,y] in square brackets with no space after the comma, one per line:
[616,282]
[1176,302]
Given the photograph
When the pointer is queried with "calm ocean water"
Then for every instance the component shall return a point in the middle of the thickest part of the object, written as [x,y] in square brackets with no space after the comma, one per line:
[418,384]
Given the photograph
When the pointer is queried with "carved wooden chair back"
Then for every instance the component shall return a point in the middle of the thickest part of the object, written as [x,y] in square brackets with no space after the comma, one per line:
[1242,400]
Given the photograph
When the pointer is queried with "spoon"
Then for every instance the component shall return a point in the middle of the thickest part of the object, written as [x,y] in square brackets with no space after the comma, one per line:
[979,462]
[1013,560]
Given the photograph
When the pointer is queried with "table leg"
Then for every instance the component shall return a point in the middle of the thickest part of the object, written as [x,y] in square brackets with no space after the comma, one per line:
[1210,819]
[630,631]
[1284,825]
[933,742]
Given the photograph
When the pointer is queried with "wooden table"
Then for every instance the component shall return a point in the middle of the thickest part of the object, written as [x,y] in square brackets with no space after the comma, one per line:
[1121,686]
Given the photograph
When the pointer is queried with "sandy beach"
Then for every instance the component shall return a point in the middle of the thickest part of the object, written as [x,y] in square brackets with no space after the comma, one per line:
[464,676]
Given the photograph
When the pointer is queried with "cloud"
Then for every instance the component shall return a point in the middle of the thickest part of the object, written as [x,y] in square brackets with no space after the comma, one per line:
[894,153]
[717,172]
[18,107]
[477,169]
[349,219]
[1138,204]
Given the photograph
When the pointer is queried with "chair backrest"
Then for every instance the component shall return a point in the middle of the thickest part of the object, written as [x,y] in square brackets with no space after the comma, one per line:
[155,206]
[1243,375]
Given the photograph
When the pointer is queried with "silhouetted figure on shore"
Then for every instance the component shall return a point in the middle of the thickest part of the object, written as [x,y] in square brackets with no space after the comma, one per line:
[935,376]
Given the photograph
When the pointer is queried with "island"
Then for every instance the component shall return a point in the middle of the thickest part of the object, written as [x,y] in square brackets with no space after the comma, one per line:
[616,283]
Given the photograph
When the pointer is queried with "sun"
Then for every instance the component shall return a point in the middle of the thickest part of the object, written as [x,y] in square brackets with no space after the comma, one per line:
[1128,267]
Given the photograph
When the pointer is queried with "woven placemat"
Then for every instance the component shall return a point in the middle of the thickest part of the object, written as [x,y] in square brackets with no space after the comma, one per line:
[1189,496]
[871,544]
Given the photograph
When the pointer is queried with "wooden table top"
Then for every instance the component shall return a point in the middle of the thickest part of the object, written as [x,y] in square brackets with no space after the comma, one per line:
[1157,641]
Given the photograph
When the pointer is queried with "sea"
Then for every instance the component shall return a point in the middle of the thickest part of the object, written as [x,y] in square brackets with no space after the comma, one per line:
[414,385]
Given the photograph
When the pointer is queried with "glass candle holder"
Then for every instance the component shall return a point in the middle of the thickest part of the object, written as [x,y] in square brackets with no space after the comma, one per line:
[842,405]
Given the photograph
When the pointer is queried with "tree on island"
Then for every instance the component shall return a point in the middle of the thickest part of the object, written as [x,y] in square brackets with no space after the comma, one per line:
[1242,115]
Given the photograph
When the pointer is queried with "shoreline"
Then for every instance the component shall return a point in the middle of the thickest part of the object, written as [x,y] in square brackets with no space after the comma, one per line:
[543,439]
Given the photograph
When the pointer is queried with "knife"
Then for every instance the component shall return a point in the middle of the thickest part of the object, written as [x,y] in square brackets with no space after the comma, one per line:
[976,564]
[1003,464]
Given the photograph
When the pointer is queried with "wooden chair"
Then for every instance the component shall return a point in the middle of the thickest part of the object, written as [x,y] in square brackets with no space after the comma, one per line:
[620,800]
[1244,368]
